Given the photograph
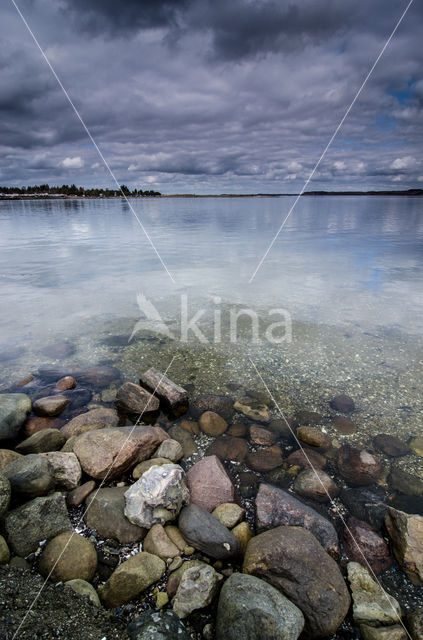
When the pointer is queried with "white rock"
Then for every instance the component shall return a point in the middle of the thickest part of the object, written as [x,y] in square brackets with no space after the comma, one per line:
[196,589]
[67,470]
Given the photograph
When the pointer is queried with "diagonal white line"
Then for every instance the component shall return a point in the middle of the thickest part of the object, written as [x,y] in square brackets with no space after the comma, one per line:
[328,495]
[78,115]
[86,510]
[330,141]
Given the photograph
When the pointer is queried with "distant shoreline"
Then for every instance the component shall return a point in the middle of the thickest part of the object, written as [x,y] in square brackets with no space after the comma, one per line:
[33,196]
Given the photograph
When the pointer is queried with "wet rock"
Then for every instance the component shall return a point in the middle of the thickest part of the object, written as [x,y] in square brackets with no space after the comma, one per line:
[66,469]
[184,438]
[68,446]
[345,426]
[40,519]
[78,399]
[95,419]
[371,604]
[276,507]
[45,440]
[11,353]
[406,533]
[228,448]
[85,589]
[248,483]
[416,444]
[105,513]
[191,426]
[229,514]
[157,497]
[207,534]
[265,459]
[253,409]
[133,399]
[68,556]
[14,408]
[212,424]
[66,383]
[169,392]
[100,376]
[36,424]
[251,608]
[357,466]
[113,451]
[390,445]
[23,382]
[4,551]
[5,493]
[366,505]
[223,405]
[394,632]
[158,542]
[163,625]
[281,477]
[209,484]
[313,437]
[6,456]
[362,543]
[142,467]
[78,495]
[304,417]
[170,449]
[196,590]
[30,475]
[237,429]
[131,578]
[59,350]
[261,436]
[342,403]
[405,482]
[283,427]
[306,459]
[291,559]
[414,623]
[50,406]
[243,534]
[316,485]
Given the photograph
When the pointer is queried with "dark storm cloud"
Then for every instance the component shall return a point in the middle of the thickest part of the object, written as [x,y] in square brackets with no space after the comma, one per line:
[212,96]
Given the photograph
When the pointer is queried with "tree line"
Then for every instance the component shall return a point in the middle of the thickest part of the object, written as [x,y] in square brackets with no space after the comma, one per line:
[73,190]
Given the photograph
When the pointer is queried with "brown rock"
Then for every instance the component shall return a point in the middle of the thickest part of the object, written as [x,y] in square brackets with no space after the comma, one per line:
[78,495]
[184,438]
[50,406]
[261,436]
[393,632]
[24,381]
[158,542]
[116,449]
[68,556]
[304,417]
[98,377]
[243,534]
[342,403]
[406,533]
[209,484]
[66,383]
[357,466]
[7,456]
[306,459]
[35,424]
[265,459]
[237,429]
[133,399]
[291,559]
[390,445]
[345,426]
[275,507]
[191,426]
[313,437]
[362,542]
[253,409]
[95,419]
[223,405]
[169,392]
[228,448]
[212,424]
[316,485]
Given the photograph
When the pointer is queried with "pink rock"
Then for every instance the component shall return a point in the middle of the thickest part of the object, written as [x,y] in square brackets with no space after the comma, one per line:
[209,484]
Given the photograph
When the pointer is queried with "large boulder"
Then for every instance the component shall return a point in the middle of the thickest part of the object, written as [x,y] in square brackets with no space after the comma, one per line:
[276,507]
[209,484]
[30,475]
[111,452]
[37,520]
[157,497]
[66,468]
[101,418]
[68,556]
[371,604]
[205,533]
[293,561]
[196,590]
[406,533]
[14,407]
[131,578]
[251,608]
[104,512]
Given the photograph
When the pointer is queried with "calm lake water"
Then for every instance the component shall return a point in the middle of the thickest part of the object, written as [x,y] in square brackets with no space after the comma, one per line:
[347,270]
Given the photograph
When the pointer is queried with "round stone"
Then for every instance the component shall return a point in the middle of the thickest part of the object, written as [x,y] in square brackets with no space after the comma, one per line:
[68,556]
[212,424]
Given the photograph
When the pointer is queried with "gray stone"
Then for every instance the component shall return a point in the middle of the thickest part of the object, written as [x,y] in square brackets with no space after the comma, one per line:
[157,625]
[201,530]
[4,551]
[157,497]
[37,520]
[14,408]
[131,578]
[45,440]
[251,608]
[196,590]
[371,604]
[30,475]
[105,514]
[85,589]
[316,485]
[66,467]
[395,632]
[229,514]
[50,406]
[5,493]
[170,449]
[185,439]
[406,533]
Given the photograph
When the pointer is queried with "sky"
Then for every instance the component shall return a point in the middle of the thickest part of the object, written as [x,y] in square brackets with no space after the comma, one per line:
[212,96]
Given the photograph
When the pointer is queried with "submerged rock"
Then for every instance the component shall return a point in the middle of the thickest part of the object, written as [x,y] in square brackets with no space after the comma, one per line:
[371,604]
[314,437]
[201,530]
[265,459]
[390,445]
[157,497]
[357,466]
[342,403]
[170,449]
[228,448]
[59,350]
[50,406]
[253,409]
[366,504]
[209,484]
[212,424]
[405,482]
[223,405]
[14,408]
[251,608]
[196,590]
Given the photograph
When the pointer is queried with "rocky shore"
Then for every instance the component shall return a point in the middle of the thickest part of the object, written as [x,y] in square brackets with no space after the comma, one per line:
[153,512]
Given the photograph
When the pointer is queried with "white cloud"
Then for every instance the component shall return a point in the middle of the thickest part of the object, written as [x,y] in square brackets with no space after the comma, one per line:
[396,179]
[339,165]
[420,179]
[404,163]
[96,165]
[294,166]
[73,163]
